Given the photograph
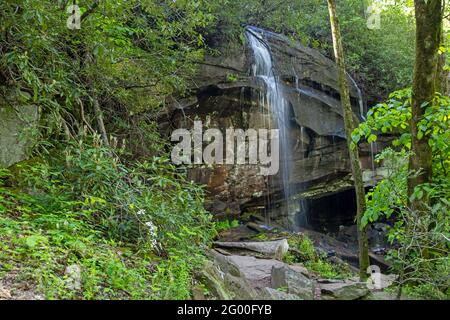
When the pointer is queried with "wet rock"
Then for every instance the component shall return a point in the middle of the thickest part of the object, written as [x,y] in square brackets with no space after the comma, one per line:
[273,294]
[320,158]
[197,293]
[213,279]
[271,249]
[240,233]
[381,295]
[256,227]
[345,290]
[298,267]
[292,281]
[240,288]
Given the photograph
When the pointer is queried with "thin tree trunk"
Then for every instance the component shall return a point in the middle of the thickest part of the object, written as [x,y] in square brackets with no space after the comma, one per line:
[101,126]
[442,74]
[349,127]
[428,37]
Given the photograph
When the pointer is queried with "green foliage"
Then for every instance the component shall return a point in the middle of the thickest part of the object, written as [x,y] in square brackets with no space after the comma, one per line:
[305,252]
[381,59]
[129,55]
[226,224]
[135,231]
[420,238]
[393,117]
[425,291]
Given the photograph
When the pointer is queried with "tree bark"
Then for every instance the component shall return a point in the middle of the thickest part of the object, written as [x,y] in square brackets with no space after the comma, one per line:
[349,127]
[101,125]
[428,37]
[442,74]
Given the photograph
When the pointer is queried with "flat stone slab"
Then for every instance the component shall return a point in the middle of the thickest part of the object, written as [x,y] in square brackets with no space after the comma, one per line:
[257,272]
[273,249]
[345,290]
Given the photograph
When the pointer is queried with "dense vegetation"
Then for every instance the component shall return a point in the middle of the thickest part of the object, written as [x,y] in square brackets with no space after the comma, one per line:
[99,192]
[420,236]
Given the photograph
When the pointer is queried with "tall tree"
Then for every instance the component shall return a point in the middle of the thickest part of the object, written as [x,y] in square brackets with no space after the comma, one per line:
[429,14]
[349,127]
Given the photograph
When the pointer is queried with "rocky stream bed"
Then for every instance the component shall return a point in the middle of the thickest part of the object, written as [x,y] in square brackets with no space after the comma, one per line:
[242,266]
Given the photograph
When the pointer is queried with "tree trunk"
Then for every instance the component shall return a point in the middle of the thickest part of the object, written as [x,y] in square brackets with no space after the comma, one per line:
[428,36]
[349,127]
[442,74]
[101,125]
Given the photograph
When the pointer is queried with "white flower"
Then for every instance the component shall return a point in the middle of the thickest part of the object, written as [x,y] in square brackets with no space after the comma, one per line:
[141,212]
[152,233]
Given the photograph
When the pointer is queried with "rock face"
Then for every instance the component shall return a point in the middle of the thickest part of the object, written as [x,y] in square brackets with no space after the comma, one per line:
[225,95]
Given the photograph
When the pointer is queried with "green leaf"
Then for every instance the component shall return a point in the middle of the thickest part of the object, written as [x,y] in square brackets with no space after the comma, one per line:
[372,138]
[34,240]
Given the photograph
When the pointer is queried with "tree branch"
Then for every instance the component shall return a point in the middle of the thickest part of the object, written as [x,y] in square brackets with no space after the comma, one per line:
[90,10]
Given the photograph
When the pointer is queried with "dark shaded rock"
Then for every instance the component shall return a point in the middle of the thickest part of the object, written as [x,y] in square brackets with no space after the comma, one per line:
[240,233]
[223,95]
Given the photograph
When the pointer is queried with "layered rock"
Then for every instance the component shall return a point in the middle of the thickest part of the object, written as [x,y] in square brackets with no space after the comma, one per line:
[225,95]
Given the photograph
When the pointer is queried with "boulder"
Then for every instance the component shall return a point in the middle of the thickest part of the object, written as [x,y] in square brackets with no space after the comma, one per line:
[272,249]
[240,288]
[257,272]
[268,293]
[213,280]
[284,277]
[344,290]
[16,131]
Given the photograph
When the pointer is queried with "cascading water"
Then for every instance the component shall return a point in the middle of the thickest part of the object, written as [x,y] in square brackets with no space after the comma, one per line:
[273,103]
[363,115]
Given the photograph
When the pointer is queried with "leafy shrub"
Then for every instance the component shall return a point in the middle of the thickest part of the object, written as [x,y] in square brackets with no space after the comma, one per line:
[134,230]
[421,238]
[305,252]
[226,224]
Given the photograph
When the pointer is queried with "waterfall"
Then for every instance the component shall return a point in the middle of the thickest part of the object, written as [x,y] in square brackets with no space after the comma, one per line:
[363,117]
[273,104]
[360,98]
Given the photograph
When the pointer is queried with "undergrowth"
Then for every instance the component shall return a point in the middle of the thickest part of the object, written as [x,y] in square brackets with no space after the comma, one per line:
[132,231]
[304,252]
